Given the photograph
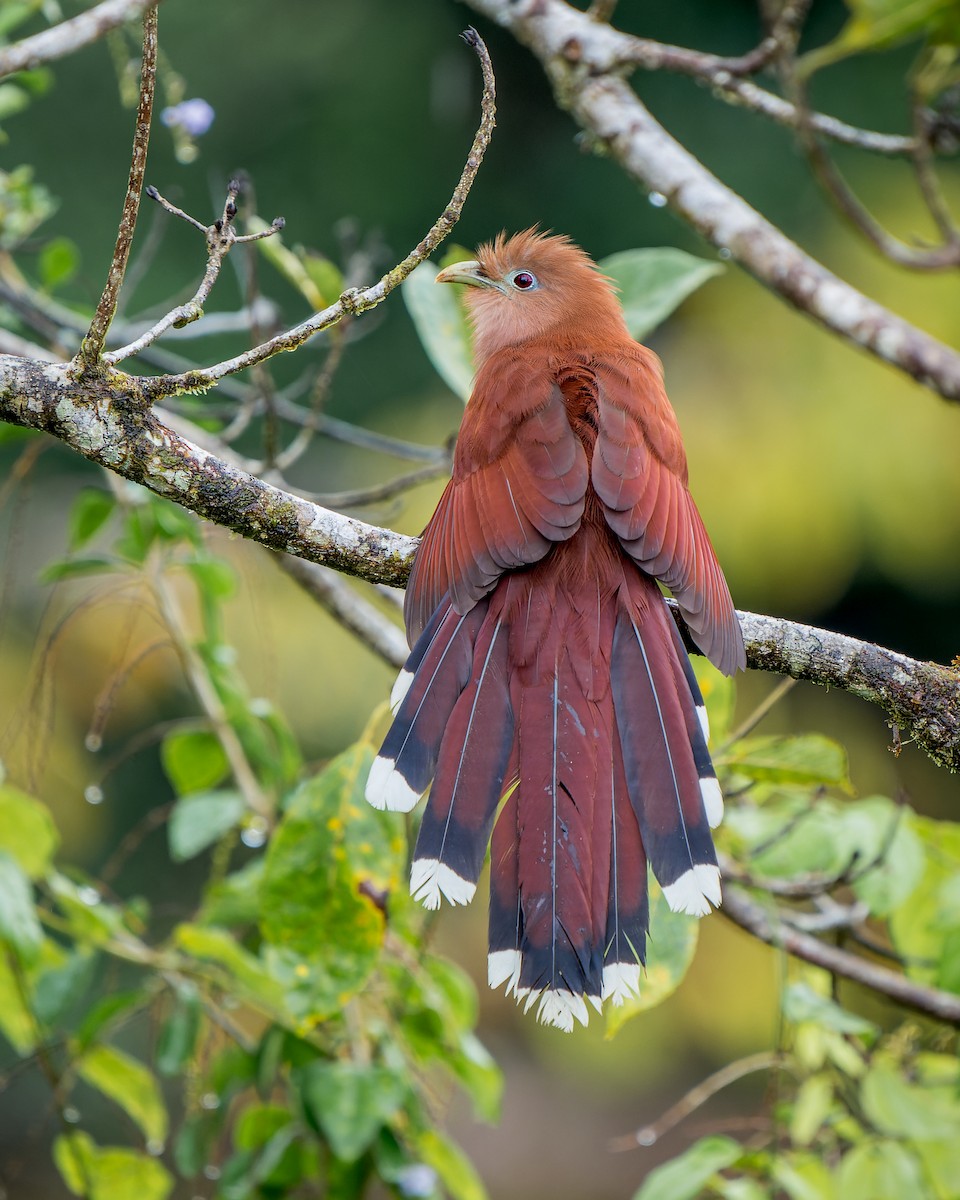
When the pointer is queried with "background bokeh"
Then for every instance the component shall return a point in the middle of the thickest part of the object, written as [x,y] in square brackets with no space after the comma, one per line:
[830,483]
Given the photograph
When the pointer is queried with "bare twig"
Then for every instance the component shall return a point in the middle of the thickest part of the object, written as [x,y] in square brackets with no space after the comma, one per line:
[772,928]
[578,55]
[357,300]
[648,1135]
[69,36]
[221,238]
[92,345]
[357,497]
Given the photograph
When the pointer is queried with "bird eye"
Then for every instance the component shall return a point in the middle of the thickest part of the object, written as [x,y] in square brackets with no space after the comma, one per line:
[524,280]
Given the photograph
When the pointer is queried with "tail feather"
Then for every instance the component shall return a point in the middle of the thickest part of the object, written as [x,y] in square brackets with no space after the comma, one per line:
[698,730]
[469,779]
[628,910]
[441,664]
[662,776]
[506,916]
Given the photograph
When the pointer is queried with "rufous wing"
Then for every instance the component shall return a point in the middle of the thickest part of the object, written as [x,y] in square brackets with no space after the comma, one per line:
[639,471]
[519,481]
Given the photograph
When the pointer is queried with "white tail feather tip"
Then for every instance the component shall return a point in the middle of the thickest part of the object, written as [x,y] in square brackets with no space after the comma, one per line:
[400,688]
[560,1007]
[704,721]
[695,891]
[387,788]
[430,879]
[621,981]
[503,966]
[712,800]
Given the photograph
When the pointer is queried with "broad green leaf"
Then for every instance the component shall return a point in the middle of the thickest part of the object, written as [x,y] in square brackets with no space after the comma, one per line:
[91,919]
[804,1177]
[58,987]
[73,568]
[918,926]
[326,276]
[811,1108]
[58,263]
[257,1124]
[684,1176]
[91,509]
[27,831]
[200,819]
[898,853]
[109,1172]
[128,1084]
[330,861]
[810,760]
[879,24]
[105,1012]
[881,1170]
[350,1103]
[19,924]
[214,577]
[234,900]
[440,319]
[897,1107]
[178,1034]
[941,1164]
[653,282]
[248,972]
[289,263]
[455,1170]
[193,760]
[670,948]
[16,1023]
[802,1003]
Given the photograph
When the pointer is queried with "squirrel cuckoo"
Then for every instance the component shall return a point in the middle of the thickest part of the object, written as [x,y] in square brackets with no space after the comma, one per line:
[546,667]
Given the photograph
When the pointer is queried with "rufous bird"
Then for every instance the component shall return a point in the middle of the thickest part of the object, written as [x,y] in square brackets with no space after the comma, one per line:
[546,667]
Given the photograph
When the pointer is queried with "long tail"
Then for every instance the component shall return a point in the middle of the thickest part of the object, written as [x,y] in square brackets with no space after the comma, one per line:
[587,716]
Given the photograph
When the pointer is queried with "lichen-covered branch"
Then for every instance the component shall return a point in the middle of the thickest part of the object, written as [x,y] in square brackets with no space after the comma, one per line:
[580,59]
[111,422]
[67,36]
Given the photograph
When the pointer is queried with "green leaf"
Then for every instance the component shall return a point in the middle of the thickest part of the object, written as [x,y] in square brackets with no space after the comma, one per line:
[289,263]
[653,282]
[440,320]
[880,24]
[91,509]
[19,923]
[234,900]
[109,1172]
[811,1108]
[193,761]
[58,987]
[326,277]
[257,1124]
[72,568]
[880,1170]
[200,819]
[16,1023]
[27,831]
[684,1176]
[921,926]
[941,1164]
[671,945]
[329,861]
[90,918]
[215,578]
[128,1084]
[59,261]
[456,1172]
[900,858]
[803,1177]
[350,1103]
[105,1012]
[178,1034]
[802,1003]
[897,1107]
[248,972]
[809,760]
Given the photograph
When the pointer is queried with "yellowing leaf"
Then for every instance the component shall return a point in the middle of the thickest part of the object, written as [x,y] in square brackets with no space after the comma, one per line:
[129,1084]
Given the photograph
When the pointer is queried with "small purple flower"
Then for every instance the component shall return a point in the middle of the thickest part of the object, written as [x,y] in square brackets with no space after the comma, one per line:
[194,117]
[416,1180]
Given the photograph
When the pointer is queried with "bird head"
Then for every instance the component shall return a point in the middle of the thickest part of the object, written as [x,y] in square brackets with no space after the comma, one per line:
[530,285]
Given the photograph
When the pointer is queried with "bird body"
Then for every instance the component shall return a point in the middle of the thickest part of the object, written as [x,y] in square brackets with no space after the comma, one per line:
[546,670]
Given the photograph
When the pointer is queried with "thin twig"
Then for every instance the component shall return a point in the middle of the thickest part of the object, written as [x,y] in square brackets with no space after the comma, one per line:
[91,347]
[753,720]
[221,238]
[355,301]
[772,928]
[648,1135]
[70,36]
[927,179]
[357,497]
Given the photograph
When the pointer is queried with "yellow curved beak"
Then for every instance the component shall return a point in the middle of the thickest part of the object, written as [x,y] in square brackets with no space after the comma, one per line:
[468,272]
